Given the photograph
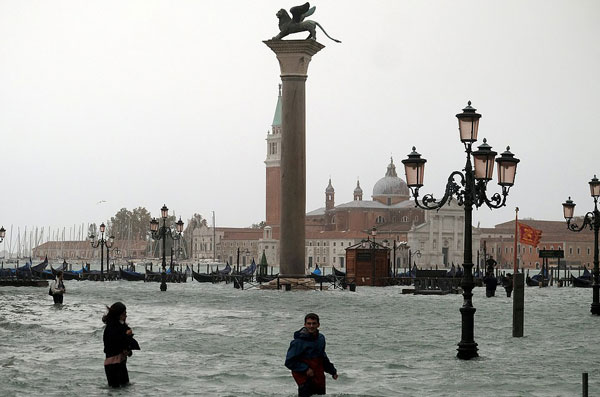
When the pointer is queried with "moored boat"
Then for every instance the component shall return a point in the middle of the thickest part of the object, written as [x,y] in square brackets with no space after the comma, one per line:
[204,277]
[130,275]
[583,281]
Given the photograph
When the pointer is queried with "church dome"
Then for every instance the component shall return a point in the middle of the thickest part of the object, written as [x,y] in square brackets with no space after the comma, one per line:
[391,184]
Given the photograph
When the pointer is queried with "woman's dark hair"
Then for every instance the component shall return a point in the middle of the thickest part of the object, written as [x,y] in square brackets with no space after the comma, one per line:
[114,312]
[59,273]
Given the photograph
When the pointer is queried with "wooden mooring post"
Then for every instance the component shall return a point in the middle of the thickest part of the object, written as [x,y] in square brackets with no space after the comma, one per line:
[518,304]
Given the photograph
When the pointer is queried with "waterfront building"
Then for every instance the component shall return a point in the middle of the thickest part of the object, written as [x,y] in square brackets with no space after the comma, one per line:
[440,238]
[499,243]
[82,250]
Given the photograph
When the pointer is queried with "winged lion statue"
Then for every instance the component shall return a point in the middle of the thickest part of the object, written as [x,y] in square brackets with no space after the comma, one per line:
[296,22]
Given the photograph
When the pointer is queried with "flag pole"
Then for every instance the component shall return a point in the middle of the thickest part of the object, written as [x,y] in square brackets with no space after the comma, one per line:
[515,266]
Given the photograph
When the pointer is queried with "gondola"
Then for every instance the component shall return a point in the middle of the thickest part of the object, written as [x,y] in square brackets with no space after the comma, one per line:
[535,280]
[248,272]
[583,281]
[265,278]
[580,282]
[223,274]
[131,275]
[330,278]
[67,274]
[318,276]
[152,276]
[87,274]
[38,270]
[204,278]
[24,271]
[338,273]
[63,268]
[174,276]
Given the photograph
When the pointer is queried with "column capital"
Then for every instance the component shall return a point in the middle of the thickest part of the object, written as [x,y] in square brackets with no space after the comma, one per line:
[294,55]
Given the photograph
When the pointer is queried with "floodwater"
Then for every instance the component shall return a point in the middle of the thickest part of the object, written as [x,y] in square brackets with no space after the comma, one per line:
[214,340]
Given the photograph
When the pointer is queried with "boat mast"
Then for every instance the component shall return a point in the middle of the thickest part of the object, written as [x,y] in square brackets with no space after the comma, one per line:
[214,239]
[10,243]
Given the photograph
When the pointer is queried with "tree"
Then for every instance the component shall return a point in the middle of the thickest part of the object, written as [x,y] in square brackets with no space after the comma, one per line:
[140,223]
[120,224]
[131,225]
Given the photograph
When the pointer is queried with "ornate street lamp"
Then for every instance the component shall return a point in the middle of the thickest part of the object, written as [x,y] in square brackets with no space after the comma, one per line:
[116,252]
[470,189]
[161,233]
[2,233]
[591,219]
[102,242]
[246,252]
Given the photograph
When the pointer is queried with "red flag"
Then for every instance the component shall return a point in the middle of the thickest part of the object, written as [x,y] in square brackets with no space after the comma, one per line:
[529,235]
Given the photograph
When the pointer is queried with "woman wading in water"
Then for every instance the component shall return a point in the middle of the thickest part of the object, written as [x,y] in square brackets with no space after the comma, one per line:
[118,345]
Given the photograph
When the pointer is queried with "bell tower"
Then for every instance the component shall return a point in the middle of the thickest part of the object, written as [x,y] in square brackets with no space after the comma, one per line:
[358,192]
[329,196]
[273,168]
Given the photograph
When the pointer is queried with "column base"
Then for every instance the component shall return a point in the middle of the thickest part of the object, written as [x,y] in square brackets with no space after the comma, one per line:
[292,283]
[595,309]
[467,350]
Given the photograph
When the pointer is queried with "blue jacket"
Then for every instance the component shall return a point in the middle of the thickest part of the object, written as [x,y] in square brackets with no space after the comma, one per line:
[306,349]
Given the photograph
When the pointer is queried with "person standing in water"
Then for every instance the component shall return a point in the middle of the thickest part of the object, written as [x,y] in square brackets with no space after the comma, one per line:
[307,360]
[118,345]
[57,288]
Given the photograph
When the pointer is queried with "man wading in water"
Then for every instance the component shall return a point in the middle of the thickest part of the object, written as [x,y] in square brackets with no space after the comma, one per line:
[307,360]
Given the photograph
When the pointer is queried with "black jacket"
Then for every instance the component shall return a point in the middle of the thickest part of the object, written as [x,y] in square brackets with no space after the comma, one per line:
[116,340]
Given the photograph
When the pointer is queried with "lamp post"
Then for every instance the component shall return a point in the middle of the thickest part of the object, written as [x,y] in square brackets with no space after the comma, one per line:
[469,190]
[2,233]
[161,233]
[386,244]
[373,234]
[591,219]
[417,253]
[246,253]
[116,251]
[403,245]
[102,242]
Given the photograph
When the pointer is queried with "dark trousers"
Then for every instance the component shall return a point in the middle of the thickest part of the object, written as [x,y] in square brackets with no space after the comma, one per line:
[308,389]
[116,374]
[58,298]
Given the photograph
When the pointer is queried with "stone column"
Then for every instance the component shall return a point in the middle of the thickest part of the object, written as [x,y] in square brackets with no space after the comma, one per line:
[294,57]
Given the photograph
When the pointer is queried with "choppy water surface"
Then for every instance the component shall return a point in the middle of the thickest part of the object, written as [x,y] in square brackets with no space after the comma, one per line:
[205,339]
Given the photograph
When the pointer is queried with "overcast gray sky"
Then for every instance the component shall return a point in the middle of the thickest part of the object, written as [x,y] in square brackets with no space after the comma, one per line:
[140,103]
